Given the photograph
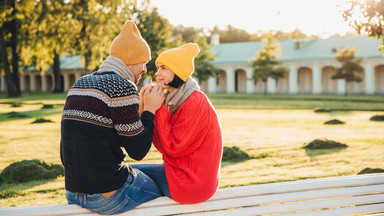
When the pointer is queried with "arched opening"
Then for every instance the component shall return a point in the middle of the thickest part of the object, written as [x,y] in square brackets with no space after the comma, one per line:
[71,79]
[49,82]
[27,83]
[379,79]
[38,83]
[240,81]
[221,81]
[329,84]
[305,80]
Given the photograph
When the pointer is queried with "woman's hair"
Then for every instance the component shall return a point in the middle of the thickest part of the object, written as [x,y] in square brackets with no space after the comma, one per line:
[176,82]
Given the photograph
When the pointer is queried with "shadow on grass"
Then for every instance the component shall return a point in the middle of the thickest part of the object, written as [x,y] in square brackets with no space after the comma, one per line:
[20,189]
[37,113]
[318,152]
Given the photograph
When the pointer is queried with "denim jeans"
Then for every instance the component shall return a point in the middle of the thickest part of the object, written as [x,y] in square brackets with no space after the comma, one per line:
[157,173]
[138,189]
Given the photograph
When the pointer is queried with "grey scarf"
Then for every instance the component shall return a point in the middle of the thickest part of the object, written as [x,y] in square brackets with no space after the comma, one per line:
[179,95]
[117,65]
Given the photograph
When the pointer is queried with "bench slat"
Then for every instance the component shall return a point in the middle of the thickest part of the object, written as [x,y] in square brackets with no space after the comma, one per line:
[318,191]
[303,206]
[258,200]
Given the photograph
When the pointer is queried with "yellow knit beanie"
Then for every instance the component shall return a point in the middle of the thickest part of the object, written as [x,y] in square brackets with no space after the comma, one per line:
[129,46]
[180,60]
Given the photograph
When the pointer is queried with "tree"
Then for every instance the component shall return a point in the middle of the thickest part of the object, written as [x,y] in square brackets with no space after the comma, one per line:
[204,69]
[349,66]
[13,27]
[264,65]
[49,38]
[366,17]
[100,21]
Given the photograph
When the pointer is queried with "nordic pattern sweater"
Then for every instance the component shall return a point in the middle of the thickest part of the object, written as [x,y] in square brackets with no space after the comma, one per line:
[100,117]
[191,143]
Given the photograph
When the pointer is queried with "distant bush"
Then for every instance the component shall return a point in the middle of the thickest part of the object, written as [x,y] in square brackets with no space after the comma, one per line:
[41,120]
[234,154]
[370,170]
[377,118]
[324,144]
[47,106]
[334,122]
[30,170]
[321,110]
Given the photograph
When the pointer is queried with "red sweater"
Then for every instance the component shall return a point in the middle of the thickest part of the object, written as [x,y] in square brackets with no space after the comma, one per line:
[191,143]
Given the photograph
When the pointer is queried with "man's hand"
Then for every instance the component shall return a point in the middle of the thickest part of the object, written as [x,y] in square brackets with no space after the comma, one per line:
[153,98]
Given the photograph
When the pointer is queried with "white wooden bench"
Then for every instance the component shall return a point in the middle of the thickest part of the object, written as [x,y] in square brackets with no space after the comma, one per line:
[348,195]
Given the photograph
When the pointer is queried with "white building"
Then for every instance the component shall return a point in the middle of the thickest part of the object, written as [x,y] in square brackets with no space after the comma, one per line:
[311,64]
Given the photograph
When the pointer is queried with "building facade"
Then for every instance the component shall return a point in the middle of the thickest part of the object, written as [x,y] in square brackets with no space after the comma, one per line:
[311,65]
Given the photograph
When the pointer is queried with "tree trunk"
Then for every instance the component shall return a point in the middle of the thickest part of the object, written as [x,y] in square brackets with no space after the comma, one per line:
[57,74]
[8,76]
[13,27]
[346,87]
[265,88]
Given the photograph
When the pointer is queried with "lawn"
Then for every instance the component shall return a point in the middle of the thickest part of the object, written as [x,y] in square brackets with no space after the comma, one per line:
[272,129]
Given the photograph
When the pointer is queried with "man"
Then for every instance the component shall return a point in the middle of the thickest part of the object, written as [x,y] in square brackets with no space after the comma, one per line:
[100,119]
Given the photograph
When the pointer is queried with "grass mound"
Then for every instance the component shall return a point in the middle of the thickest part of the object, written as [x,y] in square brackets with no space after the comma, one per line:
[41,120]
[377,118]
[47,106]
[30,170]
[370,170]
[234,154]
[334,122]
[324,144]
[321,110]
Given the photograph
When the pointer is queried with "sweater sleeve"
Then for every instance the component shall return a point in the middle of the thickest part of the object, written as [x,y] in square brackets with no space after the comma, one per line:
[183,134]
[135,132]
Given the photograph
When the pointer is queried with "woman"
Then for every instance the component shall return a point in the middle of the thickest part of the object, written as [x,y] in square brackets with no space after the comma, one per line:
[187,132]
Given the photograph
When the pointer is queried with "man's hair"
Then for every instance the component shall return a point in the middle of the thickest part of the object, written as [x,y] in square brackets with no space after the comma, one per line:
[176,82]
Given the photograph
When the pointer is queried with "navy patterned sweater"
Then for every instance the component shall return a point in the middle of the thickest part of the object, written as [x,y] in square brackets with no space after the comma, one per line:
[100,117]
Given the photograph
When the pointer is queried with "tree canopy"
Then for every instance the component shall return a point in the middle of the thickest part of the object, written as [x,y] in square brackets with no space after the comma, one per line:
[367,17]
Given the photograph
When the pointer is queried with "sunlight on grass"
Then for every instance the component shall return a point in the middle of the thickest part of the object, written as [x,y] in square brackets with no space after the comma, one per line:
[273,138]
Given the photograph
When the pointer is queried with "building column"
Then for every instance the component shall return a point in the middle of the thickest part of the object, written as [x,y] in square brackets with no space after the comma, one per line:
[22,83]
[341,86]
[316,79]
[271,85]
[3,87]
[293,84]
[212,84]
[44,83]
[230,80]
[250,82]
[66,82]
[369,78]
[77,75]
[32,82]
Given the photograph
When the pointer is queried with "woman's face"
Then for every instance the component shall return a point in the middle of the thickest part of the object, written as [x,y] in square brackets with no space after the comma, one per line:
[163,76]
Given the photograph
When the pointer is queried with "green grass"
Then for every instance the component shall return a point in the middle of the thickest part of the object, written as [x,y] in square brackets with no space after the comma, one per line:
[272,129]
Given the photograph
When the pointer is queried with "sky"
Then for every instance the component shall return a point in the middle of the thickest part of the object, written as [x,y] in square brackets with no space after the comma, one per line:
[319,17]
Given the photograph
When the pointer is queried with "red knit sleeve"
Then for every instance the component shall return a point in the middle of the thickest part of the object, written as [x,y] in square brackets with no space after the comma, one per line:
[181,135]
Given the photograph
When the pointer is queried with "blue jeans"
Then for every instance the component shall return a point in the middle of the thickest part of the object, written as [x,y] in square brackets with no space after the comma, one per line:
[138,189]
[157,173]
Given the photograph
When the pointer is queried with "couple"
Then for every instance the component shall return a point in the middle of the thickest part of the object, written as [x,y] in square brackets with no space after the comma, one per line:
[105,116]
